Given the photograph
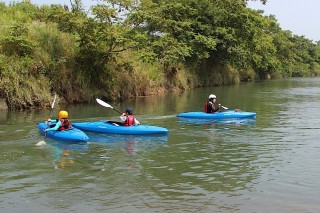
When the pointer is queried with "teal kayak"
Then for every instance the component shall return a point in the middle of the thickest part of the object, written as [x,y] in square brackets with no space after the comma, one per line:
[71,135]
[228,114]
[114,127]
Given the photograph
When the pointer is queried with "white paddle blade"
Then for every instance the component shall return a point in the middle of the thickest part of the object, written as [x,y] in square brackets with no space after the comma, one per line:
[102,103]
[224,107]
[41,143]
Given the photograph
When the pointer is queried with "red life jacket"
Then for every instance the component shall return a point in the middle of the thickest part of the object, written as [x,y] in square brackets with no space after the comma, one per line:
[206,107]
[65,124]
[129,120]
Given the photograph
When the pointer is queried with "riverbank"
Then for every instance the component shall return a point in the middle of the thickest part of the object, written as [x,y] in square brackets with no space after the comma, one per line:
[81,56]
[140,81]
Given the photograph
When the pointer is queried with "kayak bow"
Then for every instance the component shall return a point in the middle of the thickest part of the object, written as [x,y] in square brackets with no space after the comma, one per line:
[72,135]
[229,114]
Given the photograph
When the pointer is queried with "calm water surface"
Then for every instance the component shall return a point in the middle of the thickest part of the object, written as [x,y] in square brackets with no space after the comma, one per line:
[270,164]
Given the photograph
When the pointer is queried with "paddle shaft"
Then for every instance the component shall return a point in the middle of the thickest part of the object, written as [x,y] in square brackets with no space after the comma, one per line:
[51,109]
[224,107]
[116,110]
[52,105]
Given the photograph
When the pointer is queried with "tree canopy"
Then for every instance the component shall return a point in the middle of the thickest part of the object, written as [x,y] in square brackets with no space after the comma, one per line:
[131,48]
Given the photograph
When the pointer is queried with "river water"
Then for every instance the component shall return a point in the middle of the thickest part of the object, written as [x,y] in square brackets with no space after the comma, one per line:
[270,164]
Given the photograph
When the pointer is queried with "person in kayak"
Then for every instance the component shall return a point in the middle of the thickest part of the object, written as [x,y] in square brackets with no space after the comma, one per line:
[210,106]
[128,119]
[62,123]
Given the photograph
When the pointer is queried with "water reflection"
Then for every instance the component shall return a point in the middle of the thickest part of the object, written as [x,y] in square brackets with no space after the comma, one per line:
[64,153]
[266,165]
[100,147]
[214,161]
[132,143]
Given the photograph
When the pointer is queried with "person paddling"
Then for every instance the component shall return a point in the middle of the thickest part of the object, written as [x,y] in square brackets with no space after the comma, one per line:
[62,123]
[210,106]
[128,119]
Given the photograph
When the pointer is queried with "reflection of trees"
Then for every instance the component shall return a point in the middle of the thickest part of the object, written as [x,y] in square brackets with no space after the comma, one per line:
[204,164]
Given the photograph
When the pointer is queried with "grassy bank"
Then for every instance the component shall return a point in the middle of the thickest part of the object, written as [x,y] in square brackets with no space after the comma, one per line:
[51,49]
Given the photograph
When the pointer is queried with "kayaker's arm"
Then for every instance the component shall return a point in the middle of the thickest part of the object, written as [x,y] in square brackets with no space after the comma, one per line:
[217,109]
[123,117]
[55,128]
[136,122]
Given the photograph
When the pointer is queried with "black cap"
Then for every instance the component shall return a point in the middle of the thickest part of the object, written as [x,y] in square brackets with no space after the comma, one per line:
[129,111]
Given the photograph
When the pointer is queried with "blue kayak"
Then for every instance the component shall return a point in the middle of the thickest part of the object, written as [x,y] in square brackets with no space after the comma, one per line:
[113,127]
[71,135]
[228,114]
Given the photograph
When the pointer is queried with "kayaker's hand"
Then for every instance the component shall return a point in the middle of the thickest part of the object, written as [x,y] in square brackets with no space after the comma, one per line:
[49,120]
[219,105]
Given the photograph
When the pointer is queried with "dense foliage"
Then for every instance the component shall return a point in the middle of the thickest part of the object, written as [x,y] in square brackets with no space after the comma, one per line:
[128,48]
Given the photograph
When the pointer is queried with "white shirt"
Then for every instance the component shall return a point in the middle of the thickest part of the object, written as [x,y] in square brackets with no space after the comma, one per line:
[123,119]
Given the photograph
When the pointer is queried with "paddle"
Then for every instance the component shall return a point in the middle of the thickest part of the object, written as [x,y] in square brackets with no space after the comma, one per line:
[102,103]
[45,133]
[52,105]
[224,107]
[236,110]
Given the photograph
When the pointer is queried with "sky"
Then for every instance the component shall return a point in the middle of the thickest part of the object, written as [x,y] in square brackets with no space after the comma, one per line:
[301,17]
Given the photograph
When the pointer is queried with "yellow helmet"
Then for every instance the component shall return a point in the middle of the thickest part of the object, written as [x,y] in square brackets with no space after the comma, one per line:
[63,114]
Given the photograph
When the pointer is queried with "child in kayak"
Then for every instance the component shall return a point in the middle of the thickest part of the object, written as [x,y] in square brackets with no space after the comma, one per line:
[128,119]
[62,123]
[210,106]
